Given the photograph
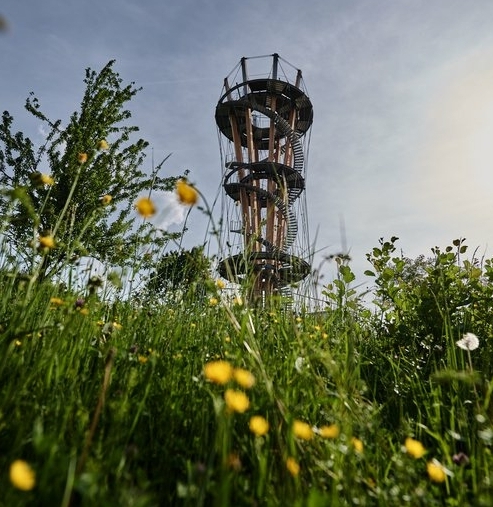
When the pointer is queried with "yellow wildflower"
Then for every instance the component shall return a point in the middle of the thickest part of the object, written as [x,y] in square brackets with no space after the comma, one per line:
[220,284]
[145,207]
[236,401]
[186,193]
[219,372]
[238,301]
[213,302]
[293,467]
[82,158]
[22,476]
[330,431]
[46,180]
[103,145]
[258,425]
[143,359]
[357,444]
[47,242]
[302,430]
[244,378]
[40,179]
[414,447]
[83,311]
[57,301]
[106,199]
[18,343]
[436,471]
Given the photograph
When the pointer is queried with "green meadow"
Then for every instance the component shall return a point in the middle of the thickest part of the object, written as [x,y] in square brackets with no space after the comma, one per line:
[163,387]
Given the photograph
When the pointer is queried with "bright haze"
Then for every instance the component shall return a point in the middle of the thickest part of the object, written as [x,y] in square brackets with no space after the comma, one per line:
[402,139]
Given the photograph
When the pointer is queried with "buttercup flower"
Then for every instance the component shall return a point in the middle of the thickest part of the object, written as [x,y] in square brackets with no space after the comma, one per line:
[469,341]
[331,431]
[213,302]
[57,301]
[436,471]
[82,158]
[414,447]
[22,476]
[40,179]
[145,207]
[302,430]
[357,444]
[258,425]
[244,378]
[103,145]
[219,372]
[220,284]
[236,401]
[106,199]
[47,242]
[186,193]
[293,467]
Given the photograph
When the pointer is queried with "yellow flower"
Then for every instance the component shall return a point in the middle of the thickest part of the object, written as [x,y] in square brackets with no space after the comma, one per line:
[330,431]
[103,145]
[145,207]
[258,425]
[186,193]
[40,179]
[57,301]
[219,372]
[213,302]
[82,158]
[22,476]
[238,301]
[83,311]
[143,359]
[47,242]
[106,199]
[236,401]
[293,467]
[244,378]
[302,430]
[46,180]
[357,444]
[220,284]
[436,471]
[414,447]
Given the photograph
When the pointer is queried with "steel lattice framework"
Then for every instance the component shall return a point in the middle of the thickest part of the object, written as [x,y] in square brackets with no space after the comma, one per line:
[264,121]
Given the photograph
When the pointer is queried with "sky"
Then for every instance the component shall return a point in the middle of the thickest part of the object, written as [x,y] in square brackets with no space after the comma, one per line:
[402,91]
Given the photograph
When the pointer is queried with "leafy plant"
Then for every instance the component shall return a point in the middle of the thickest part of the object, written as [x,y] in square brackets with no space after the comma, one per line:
[79,186]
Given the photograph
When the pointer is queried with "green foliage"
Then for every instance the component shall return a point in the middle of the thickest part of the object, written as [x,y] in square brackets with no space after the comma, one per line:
[73,209]
[180,275]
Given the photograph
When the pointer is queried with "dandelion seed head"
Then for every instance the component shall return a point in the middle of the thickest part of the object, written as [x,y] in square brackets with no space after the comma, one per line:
[469,341]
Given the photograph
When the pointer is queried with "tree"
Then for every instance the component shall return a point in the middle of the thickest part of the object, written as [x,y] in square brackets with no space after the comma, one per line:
[81,206]
[180,273]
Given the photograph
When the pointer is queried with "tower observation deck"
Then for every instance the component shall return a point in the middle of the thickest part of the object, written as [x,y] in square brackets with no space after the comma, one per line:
[264,123]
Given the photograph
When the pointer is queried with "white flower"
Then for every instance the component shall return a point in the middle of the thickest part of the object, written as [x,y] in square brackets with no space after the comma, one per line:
[468,342]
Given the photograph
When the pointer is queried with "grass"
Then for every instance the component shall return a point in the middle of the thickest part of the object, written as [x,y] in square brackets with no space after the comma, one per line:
[108,404]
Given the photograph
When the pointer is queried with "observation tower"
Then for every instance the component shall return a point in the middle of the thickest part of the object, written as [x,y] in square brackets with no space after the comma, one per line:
[264,118]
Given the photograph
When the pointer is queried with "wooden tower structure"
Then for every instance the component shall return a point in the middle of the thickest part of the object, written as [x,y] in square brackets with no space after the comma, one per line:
[264,120]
